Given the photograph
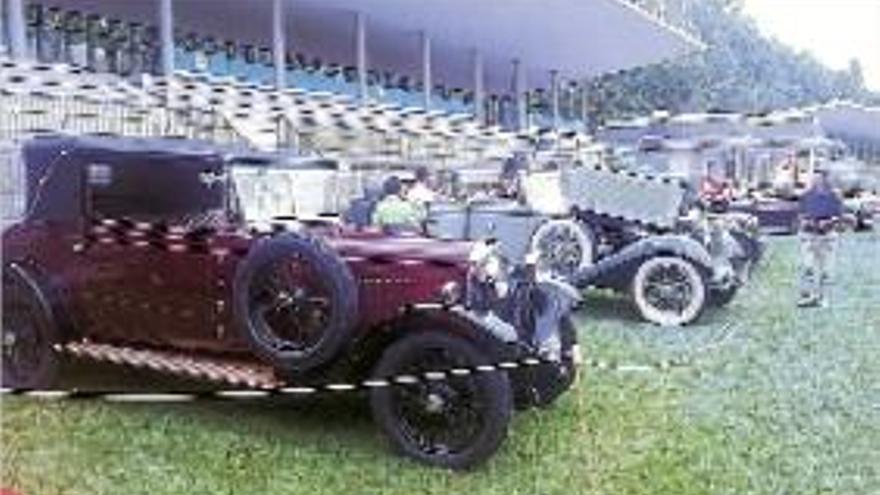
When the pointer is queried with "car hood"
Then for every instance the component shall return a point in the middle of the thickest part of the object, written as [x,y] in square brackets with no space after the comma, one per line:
[405,247]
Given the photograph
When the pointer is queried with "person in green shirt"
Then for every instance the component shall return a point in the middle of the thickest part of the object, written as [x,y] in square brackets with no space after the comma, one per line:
[394,211]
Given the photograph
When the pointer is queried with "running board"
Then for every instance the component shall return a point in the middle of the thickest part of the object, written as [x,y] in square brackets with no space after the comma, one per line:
[215,369]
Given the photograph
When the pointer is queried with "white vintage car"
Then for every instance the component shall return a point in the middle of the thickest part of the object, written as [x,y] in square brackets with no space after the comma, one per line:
[600,228]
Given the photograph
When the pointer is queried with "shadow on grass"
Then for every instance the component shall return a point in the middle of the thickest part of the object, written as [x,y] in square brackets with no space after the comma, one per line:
[334,414]
[605,306]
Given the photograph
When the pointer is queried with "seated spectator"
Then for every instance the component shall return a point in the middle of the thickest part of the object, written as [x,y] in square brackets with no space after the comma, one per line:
[360,212]
[421,192]
[716,194]
[510,186]
[394,212]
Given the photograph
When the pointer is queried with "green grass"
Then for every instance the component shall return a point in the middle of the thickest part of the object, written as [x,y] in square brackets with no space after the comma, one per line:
[776,400]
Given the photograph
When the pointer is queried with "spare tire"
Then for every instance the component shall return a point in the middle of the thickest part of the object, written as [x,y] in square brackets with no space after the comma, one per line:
[295,301]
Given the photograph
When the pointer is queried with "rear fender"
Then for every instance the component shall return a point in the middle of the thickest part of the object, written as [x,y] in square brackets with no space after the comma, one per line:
[616,271]
[48,296]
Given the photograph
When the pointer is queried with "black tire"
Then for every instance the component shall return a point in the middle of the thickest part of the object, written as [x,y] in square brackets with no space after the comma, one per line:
[543,385]
[724,297]
[393,408]
[694,291]
[319,305]
[28,335]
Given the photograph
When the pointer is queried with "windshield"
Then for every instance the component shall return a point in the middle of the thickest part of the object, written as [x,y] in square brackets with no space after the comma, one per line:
[269,190]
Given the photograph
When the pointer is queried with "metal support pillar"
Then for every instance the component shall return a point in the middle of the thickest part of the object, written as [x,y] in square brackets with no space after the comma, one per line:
[479,88]
[554,98]
[17,27]
[4,29]
[166,36]
[361,53]
[519,87]
[585,105]
[279,44]
[427,82]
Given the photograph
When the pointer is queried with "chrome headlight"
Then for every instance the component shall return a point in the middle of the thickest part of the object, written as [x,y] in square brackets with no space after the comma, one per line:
[451,293]
[488,266]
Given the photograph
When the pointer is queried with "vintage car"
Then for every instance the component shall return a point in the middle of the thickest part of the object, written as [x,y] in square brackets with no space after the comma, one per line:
[599,228]
[782,215]
[862,207]
[776,215]
[185,258]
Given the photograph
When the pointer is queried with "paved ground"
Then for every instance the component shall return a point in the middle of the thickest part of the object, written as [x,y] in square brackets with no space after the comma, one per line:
[774,400]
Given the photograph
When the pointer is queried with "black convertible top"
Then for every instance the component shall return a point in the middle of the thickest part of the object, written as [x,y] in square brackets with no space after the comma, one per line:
[56,143]
[55,166]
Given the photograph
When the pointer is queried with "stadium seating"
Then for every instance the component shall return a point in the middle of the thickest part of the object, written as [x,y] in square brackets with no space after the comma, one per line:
[58,97]
[52,97]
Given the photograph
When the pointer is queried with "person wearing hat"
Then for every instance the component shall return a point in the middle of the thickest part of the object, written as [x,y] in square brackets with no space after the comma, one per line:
[394,211]
[820,208]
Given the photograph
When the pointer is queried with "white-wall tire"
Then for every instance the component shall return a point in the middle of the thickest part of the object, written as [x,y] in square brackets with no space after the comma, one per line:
[669,291]
[564,247]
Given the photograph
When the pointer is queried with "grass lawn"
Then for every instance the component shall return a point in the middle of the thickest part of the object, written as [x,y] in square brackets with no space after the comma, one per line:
[774,400]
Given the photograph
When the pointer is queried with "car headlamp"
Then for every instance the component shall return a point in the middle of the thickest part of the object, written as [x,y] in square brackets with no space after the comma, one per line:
[451,293]
[485,260]
[488,266]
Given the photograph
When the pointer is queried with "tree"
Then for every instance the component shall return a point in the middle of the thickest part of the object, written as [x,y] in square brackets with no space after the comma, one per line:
[741,71]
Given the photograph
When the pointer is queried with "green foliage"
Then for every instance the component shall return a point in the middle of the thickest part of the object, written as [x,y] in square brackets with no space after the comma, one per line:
[741,70]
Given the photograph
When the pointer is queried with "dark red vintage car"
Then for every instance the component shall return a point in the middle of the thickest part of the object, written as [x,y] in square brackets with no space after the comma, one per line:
[188,259]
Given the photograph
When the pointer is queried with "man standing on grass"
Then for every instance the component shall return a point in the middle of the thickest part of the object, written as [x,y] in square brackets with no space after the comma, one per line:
[820,208]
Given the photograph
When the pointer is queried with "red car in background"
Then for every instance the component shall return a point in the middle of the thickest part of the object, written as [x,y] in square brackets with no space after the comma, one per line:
[178,256]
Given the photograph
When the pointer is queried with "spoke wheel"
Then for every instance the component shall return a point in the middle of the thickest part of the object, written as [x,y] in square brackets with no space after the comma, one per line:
[564,247]
[669,291]
[454,422]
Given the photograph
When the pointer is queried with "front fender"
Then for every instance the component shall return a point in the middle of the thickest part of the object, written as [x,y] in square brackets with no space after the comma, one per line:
[615,271]
[485,329]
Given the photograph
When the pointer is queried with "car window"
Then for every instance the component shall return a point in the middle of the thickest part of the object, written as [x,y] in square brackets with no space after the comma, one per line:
[153,190]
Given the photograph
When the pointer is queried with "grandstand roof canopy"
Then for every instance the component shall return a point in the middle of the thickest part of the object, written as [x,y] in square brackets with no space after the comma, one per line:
[850,119]
[580,38]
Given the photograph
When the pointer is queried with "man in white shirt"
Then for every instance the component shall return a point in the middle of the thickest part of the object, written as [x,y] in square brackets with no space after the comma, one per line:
[421,193]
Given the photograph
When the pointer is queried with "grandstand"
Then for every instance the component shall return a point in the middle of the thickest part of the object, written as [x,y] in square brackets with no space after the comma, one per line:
[446,82]
[486,58]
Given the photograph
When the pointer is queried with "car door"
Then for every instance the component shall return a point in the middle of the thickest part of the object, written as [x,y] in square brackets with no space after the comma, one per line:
[107,301]
[151,258]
